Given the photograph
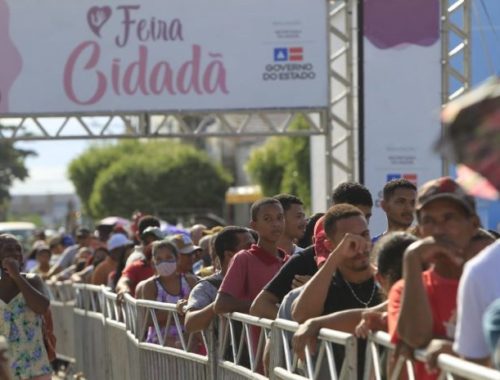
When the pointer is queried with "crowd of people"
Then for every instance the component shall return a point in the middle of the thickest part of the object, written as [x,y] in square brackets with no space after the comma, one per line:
[429,279]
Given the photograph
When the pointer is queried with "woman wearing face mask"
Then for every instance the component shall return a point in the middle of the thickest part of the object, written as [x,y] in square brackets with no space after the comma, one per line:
[166,286]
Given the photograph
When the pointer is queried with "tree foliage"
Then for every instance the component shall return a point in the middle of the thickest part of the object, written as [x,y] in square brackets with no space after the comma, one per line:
[12,166]
[154,177]
[282,165]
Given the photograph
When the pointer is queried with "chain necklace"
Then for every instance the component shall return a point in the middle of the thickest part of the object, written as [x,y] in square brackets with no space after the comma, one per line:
[365,304]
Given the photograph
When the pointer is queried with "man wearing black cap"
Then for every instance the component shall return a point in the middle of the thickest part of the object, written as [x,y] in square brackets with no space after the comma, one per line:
[83,238]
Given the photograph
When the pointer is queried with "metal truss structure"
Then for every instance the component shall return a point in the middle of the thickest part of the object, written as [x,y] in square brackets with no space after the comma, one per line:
[339,124]
[456,48]
[456,53]
[185,125]
[343,126]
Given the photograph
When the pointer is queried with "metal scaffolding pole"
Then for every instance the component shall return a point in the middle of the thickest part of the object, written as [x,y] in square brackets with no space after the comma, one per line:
[342,129]
[455,51]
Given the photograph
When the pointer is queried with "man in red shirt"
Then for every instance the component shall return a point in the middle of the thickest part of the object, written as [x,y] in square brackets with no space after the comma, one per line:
[134,273]
[250,270]
[422,306]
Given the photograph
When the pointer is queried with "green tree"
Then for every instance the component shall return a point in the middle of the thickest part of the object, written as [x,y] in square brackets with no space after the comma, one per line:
[84,169]
[12,167]
[155,177]
[282,165]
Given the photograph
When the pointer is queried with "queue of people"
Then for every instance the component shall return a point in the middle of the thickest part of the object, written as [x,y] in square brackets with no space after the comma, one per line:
[428,280]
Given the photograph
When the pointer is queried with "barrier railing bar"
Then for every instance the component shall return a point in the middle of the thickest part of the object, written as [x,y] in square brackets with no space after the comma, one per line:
[331,362]
[456,367]
[309,365]
[260,348]
[249,347]
[178,327]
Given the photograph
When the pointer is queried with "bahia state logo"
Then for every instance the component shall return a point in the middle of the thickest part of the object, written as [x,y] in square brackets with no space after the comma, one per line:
[412,177]
[288,64]
[291,54]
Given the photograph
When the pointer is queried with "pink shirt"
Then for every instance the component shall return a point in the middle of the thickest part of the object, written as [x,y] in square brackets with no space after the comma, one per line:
[249,271]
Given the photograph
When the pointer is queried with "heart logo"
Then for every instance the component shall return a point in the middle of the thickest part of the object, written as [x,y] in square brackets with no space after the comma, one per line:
[97,17]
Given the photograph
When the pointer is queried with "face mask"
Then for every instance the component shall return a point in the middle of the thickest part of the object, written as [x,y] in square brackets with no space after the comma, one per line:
[166,268]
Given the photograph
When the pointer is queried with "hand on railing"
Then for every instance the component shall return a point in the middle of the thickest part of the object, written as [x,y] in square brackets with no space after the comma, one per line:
[306,335]
[120,296]
[181,307]
[371,321]
[433,350]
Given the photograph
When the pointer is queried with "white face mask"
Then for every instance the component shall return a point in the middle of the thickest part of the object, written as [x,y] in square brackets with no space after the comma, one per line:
[166,268]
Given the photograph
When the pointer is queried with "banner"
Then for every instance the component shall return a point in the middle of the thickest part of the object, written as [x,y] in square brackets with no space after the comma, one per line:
[62,57]
[402,95]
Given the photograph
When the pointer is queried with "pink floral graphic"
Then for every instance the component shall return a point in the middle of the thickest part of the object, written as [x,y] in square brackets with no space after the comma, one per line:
[10,59]
[393,23]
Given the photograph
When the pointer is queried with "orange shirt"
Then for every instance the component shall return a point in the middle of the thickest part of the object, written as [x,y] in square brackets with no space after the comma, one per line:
[442,296]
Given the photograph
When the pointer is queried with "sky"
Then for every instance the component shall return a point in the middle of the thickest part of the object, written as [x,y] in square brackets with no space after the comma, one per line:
[48,168]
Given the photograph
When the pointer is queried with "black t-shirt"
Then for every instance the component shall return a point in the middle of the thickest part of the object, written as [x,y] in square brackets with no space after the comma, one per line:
[302,263]
[340,297]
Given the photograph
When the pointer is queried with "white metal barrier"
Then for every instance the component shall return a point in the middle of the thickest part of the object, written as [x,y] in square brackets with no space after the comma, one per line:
[62,304]
[378,351]
[454,368]
[90,339]
[450,367]
[242,339]
[322,366]
[110,342]
[111,339]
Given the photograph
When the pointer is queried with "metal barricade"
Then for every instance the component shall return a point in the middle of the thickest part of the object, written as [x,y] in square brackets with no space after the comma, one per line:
[242,339]
[116,340]
[455,368]
[90,332]
[109,342]
[379,351]
[450,367]
[321,366]
[61,305]
[189,357]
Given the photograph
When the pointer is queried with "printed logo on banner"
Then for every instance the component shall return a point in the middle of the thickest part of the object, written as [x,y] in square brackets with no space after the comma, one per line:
[280,54]
[288,65]
[292,54]
[296,54]
[412,177]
